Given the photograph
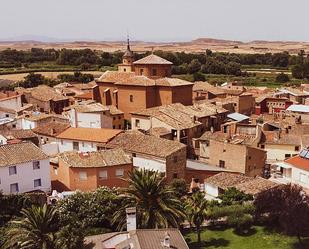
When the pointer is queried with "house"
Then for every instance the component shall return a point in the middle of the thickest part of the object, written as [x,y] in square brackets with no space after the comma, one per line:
[23,168]
[219,183]
[183,122]
[271,104]
[86,171]
[47,132]
[137,238]
[10,103]
[293,94]
[153,153]
[89,114]
[243,103]
[30,120]
[299,112]
[280,145]
[17,136]
[44,98]
[293,170]
[204,90]
[198,171]
[141,84]
[85,139]
[236,153]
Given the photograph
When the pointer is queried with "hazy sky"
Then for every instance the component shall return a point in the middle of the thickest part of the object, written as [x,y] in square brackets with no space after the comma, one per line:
[156,20]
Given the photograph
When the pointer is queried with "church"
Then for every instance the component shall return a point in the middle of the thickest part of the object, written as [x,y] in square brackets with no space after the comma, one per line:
[141,84]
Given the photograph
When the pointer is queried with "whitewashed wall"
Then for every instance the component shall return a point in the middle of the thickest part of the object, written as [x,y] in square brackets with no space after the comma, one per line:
[25,177]
[149,163]
[11,103]
[67,145]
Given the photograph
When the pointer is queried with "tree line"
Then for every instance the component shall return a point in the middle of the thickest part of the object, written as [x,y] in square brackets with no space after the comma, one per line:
[207,62]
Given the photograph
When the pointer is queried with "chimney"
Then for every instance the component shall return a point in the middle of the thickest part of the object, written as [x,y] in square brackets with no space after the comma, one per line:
[167,240]
[131,218]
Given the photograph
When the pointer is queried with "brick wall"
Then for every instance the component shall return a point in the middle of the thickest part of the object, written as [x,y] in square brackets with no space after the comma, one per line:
[176,165]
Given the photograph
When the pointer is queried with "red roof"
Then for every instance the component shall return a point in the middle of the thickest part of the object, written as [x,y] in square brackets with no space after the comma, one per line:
[299,162]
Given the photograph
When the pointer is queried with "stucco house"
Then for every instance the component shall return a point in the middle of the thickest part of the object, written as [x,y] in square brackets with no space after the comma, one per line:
[23,168]
[153,153]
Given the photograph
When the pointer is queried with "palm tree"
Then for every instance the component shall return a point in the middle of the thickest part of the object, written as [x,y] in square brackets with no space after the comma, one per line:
[155,202]
[36,229]
[196,210]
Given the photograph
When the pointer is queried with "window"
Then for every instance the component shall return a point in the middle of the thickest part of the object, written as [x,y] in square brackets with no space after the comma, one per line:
[221,164]
[36,165]
[119,126]
[124,69]
[119,117]
[12,170]
[61,142]
[82,175]
[262,146]
[141,71]
[14,188]
[37,183]
[303,178]
[206,143]
[114,118]
[137,123]
[175,175]
[7,115]
[114,126]
[103,174]
[119,172]
[75,146]
[287,156]
[133,154]
[296,148]
[131,98]
[154,71]
[249,157]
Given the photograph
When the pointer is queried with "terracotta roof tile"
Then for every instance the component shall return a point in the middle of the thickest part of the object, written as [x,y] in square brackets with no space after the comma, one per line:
[52,128]
[152,59]
[299,162]
[114,76]
[135,141]
[172,82]
[137,80]
[17,153]
[101,158]
[89,134]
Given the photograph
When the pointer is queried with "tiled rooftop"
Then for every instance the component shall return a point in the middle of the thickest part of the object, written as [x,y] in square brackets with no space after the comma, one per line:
[137,142]
[17,153]
[101,158]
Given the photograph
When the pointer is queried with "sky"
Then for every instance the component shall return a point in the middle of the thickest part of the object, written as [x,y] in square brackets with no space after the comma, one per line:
[155,20]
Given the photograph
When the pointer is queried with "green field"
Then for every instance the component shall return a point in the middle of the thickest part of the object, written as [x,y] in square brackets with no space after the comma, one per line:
[258,238]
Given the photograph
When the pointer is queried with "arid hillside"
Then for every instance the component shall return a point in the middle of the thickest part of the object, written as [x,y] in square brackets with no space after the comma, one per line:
[197,45]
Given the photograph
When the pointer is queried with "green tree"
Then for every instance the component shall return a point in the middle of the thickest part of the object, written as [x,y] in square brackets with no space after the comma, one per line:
[33,80]
[156,203]
[282,78]
[180,187]
[199,77]
[196,210]
[36,229]
[286,206]
[194,66]
[234,196]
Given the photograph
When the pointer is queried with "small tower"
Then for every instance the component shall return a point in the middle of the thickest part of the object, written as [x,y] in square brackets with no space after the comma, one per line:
[127,60]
